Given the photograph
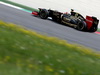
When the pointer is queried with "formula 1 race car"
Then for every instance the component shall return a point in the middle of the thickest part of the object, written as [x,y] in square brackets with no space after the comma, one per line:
[73,19]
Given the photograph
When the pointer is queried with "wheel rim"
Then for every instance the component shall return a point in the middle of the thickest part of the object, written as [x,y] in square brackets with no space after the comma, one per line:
[42,14]
[80,26]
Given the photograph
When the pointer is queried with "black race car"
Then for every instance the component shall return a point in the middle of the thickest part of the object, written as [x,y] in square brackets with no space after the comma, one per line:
[73,19]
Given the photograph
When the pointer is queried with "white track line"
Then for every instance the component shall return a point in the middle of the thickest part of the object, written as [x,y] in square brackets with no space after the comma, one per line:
[10,5]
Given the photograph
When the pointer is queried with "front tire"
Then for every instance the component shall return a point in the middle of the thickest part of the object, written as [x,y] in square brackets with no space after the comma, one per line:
[43,13]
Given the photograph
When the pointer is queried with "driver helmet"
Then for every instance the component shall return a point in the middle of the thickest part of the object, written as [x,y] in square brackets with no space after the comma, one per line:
[72,10]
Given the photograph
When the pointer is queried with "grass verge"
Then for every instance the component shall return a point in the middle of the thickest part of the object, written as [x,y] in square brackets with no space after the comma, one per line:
[98,30]
[19,5]
[24,52]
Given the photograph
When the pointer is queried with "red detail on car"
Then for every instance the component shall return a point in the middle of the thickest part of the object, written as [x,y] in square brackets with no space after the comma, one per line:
[89,22]
[35,13]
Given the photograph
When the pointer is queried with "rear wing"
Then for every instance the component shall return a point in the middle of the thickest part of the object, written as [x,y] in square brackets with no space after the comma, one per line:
[91,22]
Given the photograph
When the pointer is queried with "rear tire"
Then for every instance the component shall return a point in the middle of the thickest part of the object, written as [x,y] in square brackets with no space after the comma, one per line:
[43,13]
[81,26]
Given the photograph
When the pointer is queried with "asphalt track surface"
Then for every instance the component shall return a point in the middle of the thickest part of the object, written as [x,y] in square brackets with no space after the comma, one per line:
[49,27]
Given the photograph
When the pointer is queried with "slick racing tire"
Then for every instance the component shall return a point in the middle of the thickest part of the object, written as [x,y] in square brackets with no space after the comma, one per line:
[43,13]
[81,26]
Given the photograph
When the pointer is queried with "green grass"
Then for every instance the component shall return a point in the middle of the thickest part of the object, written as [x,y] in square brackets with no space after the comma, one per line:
[19,5]
[98,30]
[24,52]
